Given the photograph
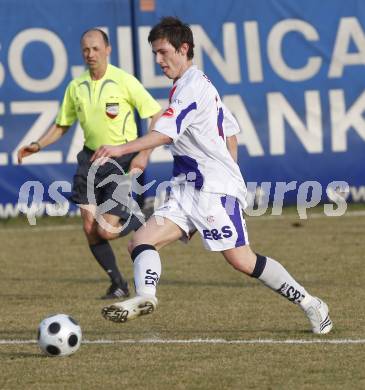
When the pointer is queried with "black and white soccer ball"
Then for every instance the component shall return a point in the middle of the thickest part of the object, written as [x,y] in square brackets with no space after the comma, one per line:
[59,335]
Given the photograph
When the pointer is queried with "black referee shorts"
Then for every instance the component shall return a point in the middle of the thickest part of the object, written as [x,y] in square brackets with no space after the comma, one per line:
[105,192]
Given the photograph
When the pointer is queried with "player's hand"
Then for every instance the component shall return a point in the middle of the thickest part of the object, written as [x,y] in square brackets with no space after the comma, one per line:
[139,163]
[26,151]
[102,154]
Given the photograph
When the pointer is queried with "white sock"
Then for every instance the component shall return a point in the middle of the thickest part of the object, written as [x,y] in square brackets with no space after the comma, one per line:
[275,276]
[147,269]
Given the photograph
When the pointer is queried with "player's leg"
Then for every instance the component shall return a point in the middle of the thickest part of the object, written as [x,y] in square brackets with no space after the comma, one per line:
[226,231]
[98,244]
[275,276]
[168,224]
[147,268]
[113,219]
[103,253]
[267,270]
[144,247]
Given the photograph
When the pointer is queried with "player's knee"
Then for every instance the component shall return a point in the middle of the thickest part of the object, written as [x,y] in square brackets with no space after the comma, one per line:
[242,266]
[89,228]
[136,240]
[243,260]
[105,234]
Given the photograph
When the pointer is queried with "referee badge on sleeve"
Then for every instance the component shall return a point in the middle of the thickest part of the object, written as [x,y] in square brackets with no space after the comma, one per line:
[112,110]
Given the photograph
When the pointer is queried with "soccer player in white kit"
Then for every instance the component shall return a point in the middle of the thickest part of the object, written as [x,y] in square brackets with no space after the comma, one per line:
[207,189]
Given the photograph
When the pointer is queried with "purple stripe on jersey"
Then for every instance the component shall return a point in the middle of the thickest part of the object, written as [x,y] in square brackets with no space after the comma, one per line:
[189,167]
[233,209]
[220,122]
[183,114]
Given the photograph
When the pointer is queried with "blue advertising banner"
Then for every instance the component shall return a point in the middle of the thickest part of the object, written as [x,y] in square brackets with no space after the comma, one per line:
[39,55]
[292,73]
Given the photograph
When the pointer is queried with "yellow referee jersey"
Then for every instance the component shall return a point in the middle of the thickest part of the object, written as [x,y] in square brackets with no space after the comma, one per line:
[105,107]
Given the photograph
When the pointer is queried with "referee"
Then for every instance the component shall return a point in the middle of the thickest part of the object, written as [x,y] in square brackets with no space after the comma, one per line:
[103,99]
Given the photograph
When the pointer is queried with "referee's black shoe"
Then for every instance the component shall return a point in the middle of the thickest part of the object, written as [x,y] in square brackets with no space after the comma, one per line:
[116,291]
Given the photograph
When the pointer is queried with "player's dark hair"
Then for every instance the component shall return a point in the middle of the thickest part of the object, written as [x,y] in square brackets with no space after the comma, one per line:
[174,31]
[103,34]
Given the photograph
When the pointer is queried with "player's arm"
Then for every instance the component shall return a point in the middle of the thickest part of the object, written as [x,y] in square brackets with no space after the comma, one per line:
[141,160]
[232,146]
[148,141]
[54,133]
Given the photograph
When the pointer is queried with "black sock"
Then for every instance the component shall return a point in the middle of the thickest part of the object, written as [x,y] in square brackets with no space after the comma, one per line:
[104,255]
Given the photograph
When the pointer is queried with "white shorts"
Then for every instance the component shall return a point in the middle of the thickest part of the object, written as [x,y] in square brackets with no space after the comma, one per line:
[219,218]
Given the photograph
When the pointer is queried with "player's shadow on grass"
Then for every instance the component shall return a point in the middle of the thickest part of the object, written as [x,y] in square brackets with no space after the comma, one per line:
[167,282]
[202,283]
[26,297]
[58,280]
[221,333]
[21,355]
[18,334]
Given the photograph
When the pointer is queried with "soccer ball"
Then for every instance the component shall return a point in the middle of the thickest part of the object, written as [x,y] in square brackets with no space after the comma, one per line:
[59,335]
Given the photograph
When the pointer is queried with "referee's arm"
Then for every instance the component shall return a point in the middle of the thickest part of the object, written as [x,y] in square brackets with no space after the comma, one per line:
[54,133]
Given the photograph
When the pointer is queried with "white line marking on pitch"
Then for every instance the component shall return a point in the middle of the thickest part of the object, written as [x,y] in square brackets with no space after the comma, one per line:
[205,341]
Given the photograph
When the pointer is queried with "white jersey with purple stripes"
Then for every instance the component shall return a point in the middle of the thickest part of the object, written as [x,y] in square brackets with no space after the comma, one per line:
[198,123]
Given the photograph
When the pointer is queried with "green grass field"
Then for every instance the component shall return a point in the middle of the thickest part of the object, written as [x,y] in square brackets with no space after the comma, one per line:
[48,269]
